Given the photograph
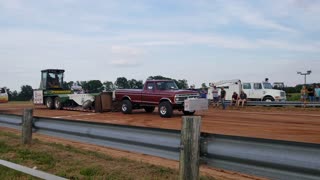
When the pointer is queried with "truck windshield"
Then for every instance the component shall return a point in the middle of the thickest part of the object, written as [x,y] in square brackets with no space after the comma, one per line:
[267,86]
[166,85]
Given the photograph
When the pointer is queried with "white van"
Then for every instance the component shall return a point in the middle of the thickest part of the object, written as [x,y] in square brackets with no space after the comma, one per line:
[256,91]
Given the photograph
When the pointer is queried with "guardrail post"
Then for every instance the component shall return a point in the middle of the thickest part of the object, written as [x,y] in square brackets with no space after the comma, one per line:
[190,149]
[27,126]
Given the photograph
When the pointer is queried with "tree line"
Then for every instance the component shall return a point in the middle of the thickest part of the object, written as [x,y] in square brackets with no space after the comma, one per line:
[95,86]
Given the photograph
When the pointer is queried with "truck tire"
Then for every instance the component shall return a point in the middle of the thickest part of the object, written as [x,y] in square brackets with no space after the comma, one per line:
[49,103]
[57,103]
[188,113]
[165,109]
[126,107]
[149,109]
[268,99]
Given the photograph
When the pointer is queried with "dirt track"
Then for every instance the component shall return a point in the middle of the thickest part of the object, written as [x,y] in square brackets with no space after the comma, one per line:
[293,124]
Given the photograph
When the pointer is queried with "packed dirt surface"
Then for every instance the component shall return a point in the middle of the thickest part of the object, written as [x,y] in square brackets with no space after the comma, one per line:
[281,123]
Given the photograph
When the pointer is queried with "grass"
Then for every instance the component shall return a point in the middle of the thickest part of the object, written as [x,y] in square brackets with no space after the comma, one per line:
[74,163]
[7,173]
[293,97]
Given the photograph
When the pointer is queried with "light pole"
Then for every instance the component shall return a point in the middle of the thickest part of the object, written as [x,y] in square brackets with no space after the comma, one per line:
[305,75]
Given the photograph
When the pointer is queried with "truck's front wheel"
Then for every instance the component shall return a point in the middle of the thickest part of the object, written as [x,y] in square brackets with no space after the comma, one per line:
[165,109]
[49,103]
[126,107]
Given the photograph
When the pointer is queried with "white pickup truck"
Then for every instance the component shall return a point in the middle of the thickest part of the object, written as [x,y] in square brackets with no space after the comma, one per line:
[256,91]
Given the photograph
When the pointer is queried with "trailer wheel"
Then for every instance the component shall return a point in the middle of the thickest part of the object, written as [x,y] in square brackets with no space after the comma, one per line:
[188,113]
[126,107]
[49,103]
[149,109]
[57,103]
[165,109]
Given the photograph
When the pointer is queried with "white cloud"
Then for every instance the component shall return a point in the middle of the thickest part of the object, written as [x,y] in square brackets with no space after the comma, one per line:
[125,63]
[125,50]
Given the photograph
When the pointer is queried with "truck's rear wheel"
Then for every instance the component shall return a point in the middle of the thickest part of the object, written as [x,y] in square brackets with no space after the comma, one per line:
[149,109]
[188,113]
[49,103]
[165,109]
[57,103]
[126,107]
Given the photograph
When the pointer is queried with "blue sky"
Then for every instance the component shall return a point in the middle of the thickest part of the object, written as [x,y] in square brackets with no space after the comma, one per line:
[201,41]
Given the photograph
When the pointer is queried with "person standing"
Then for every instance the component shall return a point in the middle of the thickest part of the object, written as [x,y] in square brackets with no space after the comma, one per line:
[215,95]
[311,93]
[317,92]
[303,93]
[222,97]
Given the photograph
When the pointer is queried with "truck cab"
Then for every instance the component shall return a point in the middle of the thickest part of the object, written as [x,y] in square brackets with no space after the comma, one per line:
[51,79]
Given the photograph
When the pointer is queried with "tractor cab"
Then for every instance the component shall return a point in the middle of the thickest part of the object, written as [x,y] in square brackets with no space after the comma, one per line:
[51,79]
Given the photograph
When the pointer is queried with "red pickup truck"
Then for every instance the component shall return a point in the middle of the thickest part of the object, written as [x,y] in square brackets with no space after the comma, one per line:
[162,93]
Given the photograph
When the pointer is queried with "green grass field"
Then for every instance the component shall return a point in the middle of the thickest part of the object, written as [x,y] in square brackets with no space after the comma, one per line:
[74,163]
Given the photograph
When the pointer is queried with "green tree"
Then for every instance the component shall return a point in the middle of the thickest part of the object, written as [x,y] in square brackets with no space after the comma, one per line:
[26,93]
[109,86]
[158,77]
[203,85]
[94,86]
[134,84]
[122,83]
[182,84]
[67,85]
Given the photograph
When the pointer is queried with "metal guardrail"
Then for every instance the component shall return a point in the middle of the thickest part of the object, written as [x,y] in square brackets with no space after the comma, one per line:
[33,172]
[283,103]
[280,103]
[267,158]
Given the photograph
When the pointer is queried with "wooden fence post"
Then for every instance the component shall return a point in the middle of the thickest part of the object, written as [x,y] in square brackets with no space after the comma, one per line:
[190,149]
[27,126]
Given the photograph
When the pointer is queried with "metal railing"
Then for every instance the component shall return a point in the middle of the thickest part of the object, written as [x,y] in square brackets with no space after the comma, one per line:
[267,158]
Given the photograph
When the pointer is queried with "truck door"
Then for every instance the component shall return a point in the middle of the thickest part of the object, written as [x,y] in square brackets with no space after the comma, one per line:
[246,87]
[148,94]
[257,91]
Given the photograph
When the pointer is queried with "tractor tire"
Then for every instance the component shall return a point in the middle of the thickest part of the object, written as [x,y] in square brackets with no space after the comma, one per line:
[165,109]
[126,107]
[188,113]
[49,103]
[149,109]
[57,103]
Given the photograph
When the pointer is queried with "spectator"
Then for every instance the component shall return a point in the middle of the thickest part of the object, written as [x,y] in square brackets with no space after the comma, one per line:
[242,99]
[222,97]
[303,93]
[215,95]
[311,93]
[317,92]
[203,93]
[234,100]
